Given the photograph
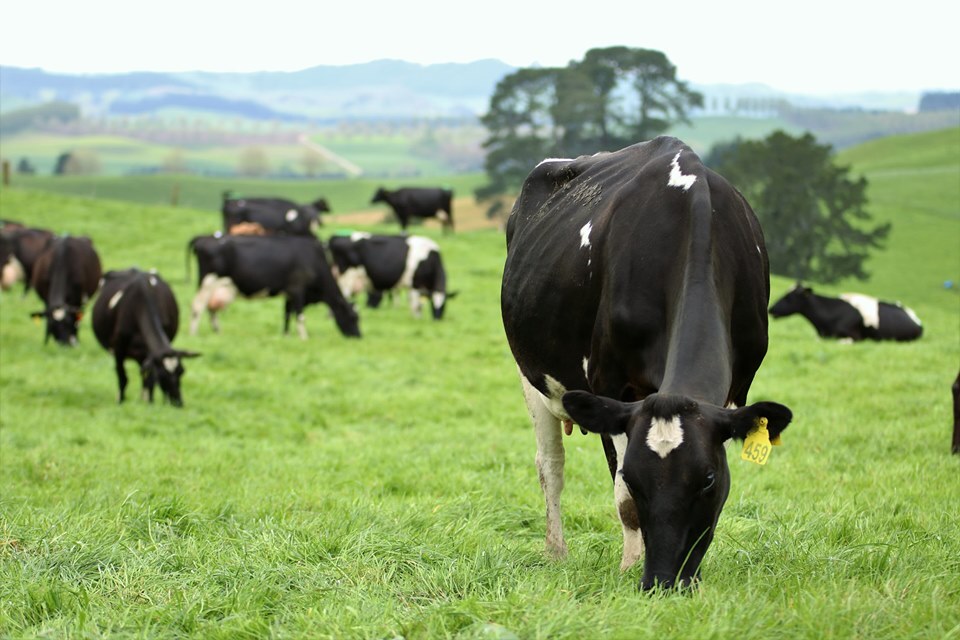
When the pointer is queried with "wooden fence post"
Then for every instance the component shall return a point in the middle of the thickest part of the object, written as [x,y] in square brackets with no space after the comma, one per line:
[6,173]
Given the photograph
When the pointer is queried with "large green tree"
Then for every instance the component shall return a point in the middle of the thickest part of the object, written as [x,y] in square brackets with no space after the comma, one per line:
[813,213]
[612,98]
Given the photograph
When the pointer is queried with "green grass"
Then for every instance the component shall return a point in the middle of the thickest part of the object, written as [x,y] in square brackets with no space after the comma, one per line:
[204,194]
[385,487]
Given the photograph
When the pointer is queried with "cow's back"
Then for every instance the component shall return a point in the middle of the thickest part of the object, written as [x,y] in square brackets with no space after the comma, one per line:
[69,268]
[599,252]
[123,295]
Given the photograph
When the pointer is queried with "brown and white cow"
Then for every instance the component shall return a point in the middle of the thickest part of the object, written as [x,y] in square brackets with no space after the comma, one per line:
[634,301]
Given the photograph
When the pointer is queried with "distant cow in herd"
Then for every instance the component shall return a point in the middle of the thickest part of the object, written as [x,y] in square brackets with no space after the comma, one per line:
[852,316]
[136,318]
[634,300]
[274,215]
[418,202]
[378,264]
[65,276]
[254,266]
[20,247]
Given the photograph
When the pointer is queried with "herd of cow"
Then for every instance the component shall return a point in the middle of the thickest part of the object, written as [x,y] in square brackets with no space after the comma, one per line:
[634,300]
[268,247]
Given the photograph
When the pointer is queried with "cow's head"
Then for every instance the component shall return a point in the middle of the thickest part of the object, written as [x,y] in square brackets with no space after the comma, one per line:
[166,370]
[62,323]
[794,301]
[438,302]
[674,479]
[321,205]
[379,196]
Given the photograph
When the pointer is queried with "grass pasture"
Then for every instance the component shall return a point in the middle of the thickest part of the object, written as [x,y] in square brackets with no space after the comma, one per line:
[385,487]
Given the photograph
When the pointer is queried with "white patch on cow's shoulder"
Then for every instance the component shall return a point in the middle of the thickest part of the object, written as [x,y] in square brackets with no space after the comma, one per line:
[868,307]
[418,250]
[291,215]
[545,160]
[677,178]
[664,435]
[115,299]
[170,363]
[585,234]
[59,314]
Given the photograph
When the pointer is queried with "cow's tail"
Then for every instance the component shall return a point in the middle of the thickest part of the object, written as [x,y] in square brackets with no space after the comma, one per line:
[187,261]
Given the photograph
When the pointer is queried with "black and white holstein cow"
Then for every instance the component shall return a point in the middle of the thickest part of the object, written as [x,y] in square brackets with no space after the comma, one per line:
[852,316]
[379,264]
[418,202]
[634,300]
[136,318]
[19,250]
[267,266]
[275,215]
[65,276]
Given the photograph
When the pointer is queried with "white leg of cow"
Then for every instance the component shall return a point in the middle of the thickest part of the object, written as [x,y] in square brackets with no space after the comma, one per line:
[214,320]
[415,303]
[201,301]
[626,509]
[301,326]
[550,461]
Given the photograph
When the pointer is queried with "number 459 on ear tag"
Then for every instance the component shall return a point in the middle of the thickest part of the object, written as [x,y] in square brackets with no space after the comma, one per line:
[756,446]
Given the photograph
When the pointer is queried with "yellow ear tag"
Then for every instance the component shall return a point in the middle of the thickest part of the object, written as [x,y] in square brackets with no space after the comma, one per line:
[36,319]
[756,446]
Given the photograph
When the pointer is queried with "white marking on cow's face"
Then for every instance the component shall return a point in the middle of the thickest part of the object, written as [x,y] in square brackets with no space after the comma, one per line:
[438,298]
[677,178]
[585,234]
[867,306]
[418,248]
[664,435]
[59,314]
[170,363]
[586,365]
[153,281]
[291,215]
[115,299]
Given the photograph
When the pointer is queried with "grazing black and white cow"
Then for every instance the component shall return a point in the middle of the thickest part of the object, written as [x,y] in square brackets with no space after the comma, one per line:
[634,301]
[136,318]
[852,316]
[21,247]
[275,215]
[65,276]
[418,202]
[257,266]
[378,264]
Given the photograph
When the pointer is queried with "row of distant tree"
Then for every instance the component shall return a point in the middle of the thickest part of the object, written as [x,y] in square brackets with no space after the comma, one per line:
[813,212]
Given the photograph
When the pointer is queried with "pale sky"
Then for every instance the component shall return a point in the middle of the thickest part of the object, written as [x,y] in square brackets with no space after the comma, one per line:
[811,46]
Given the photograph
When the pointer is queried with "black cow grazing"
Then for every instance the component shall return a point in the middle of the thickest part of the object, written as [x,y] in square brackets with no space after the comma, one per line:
[378,264]
[22,247]
[634,300]
[275,215]
[136,318]
[65,276]
[418,202]
[255,266]
[852,316]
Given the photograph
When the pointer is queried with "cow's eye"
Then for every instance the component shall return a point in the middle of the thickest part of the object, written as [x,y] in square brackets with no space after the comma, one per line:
[709,481]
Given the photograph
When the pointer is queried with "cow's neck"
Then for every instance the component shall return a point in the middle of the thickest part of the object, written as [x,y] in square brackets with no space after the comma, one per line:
[698,362]
[148,322]
[57,291]
[821,312]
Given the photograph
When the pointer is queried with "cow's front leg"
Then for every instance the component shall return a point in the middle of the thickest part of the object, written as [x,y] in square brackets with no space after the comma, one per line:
[550,462]
[415,303]
[626,508]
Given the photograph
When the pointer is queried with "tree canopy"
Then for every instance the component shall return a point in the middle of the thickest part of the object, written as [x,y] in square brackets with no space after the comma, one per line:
[614,97]
[813,214]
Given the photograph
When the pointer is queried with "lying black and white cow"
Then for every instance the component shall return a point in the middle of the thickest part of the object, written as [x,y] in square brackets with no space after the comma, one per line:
[378,264]
[295,266]
[136,318]
[852,316]
[634,300]
[418,202]
[65,276]
[275,215]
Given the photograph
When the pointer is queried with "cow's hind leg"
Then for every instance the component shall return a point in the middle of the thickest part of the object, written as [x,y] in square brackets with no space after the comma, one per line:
[121,378]
[626,508]
[550,462]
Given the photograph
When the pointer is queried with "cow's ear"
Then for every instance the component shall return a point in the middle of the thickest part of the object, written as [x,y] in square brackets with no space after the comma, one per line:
[38,314]
[188,354]
[596,413]
[452,295]
[737,423]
